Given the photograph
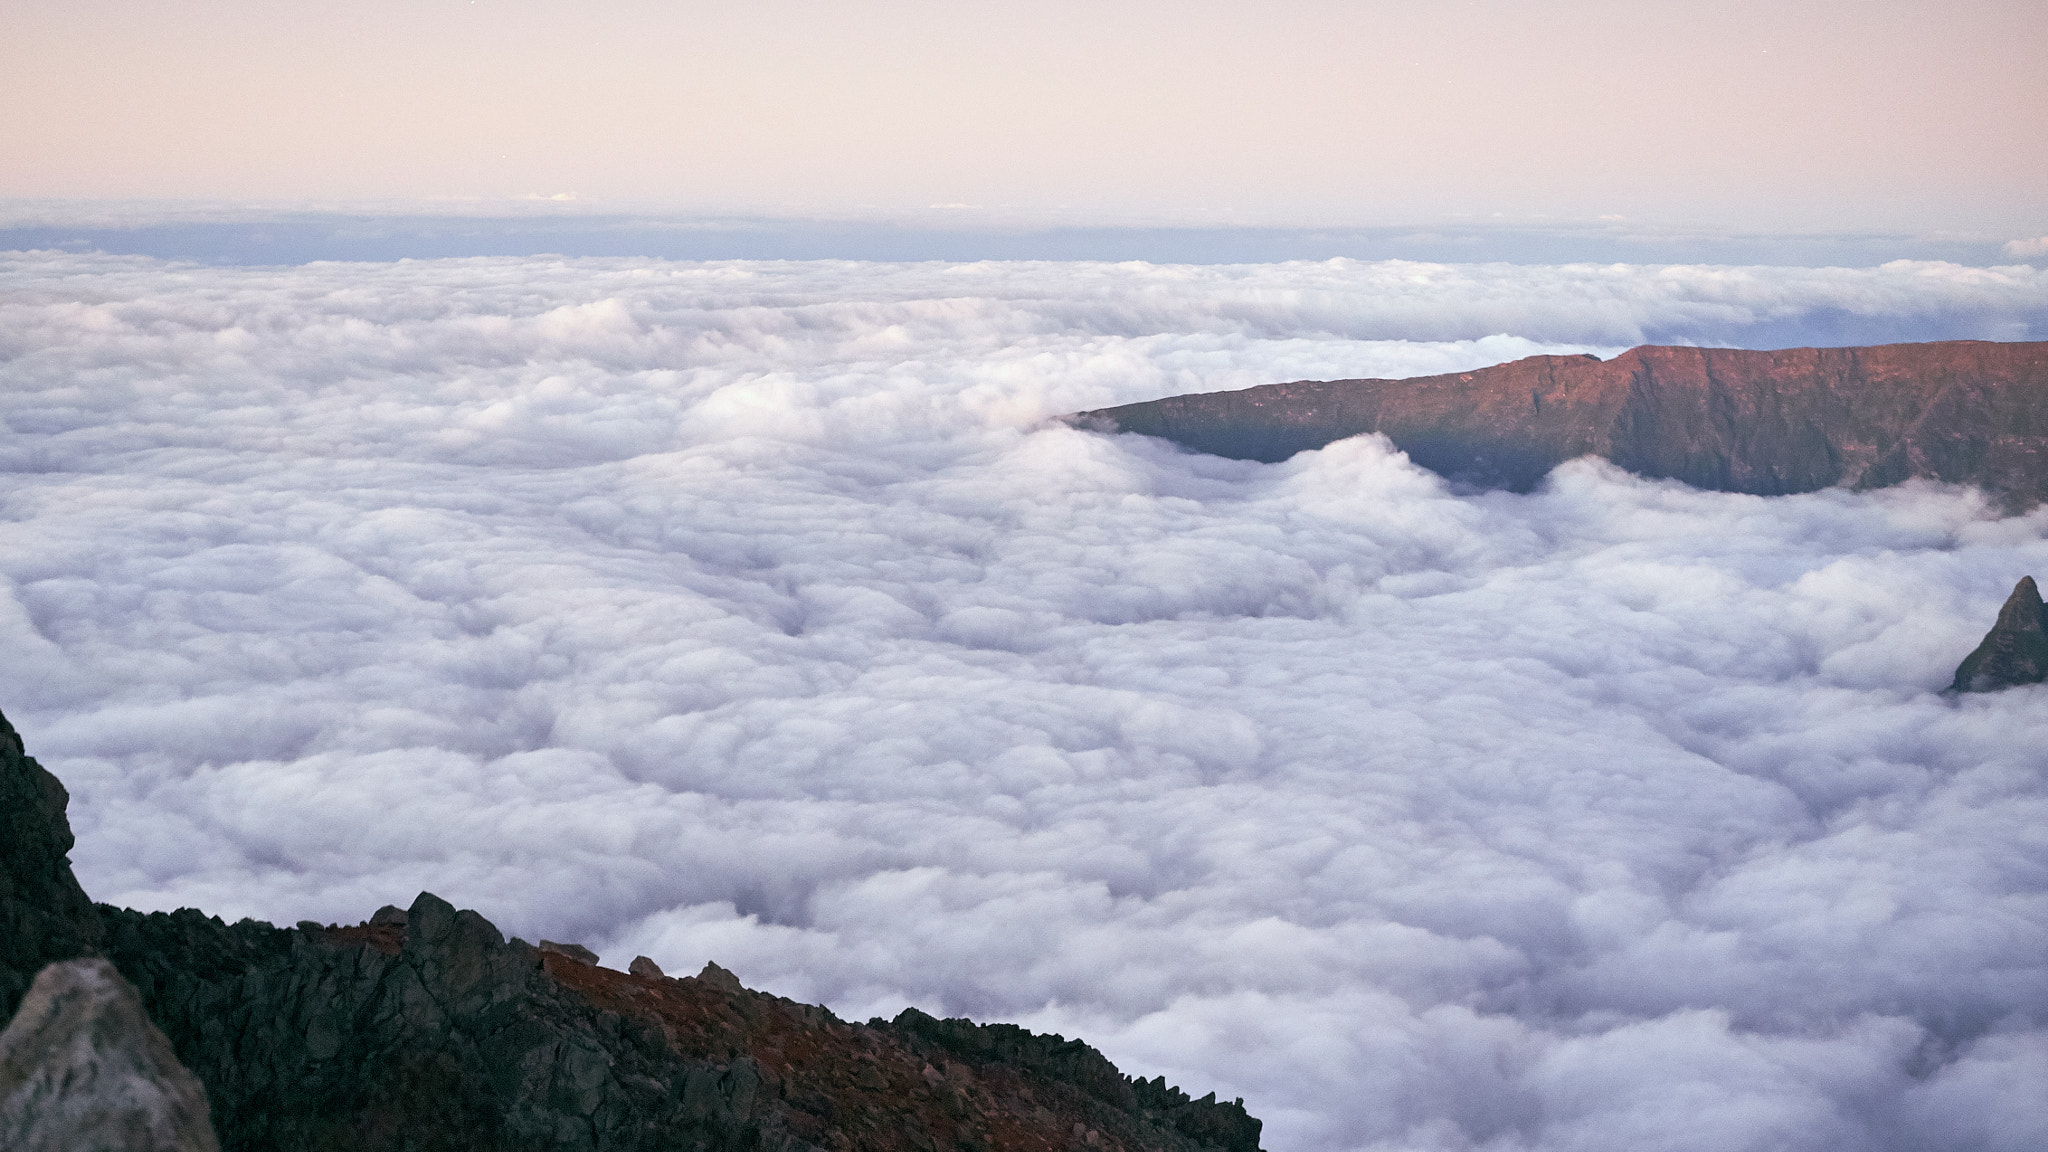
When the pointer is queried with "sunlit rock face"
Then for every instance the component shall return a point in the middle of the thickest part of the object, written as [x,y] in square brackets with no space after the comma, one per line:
[2015,651]
[1730,420]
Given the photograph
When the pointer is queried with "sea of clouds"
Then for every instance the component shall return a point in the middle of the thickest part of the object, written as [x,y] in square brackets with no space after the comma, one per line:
[757,612]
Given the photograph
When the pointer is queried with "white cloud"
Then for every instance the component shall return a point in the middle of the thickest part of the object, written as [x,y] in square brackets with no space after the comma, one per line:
[752,612]
[2038,246]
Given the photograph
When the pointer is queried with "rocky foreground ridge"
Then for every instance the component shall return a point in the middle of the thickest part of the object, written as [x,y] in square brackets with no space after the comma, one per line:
[1731,420]
[426,1030]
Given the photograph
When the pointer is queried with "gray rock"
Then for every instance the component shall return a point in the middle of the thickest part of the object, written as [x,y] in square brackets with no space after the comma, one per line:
[720,979]
[83,1070]
[572,951]
[388,915]
[642,966]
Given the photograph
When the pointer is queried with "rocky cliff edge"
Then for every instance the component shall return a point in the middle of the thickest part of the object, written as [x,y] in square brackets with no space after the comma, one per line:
[1727,419]
[427,1030]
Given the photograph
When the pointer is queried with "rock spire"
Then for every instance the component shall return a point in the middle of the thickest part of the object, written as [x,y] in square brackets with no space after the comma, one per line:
[2015,651]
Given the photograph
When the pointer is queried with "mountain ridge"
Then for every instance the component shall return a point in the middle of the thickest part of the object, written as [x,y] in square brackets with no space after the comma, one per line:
[1726,419]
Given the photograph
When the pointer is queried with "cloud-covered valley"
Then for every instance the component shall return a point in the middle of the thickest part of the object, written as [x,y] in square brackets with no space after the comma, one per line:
[756,612]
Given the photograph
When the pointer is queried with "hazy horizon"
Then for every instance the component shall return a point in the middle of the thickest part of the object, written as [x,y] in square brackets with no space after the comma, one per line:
[1903,117]
[220,233]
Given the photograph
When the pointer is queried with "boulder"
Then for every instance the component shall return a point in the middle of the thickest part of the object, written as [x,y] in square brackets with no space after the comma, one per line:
[82,1069]
[573,951]
[719,978]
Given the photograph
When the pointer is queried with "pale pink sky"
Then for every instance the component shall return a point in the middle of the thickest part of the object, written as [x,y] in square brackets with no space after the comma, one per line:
[1834,114]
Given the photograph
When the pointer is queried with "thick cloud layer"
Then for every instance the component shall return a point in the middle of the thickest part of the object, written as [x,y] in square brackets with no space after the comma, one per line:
[754,612]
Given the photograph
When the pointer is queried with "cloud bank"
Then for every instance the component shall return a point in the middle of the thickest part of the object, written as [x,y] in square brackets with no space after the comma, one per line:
[383,231]
[754,612]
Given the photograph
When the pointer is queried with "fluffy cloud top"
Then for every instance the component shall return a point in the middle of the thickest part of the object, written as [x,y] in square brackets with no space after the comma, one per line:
[754,612]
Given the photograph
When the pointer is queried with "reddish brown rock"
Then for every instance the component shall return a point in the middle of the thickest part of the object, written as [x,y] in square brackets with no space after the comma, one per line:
[1963,411]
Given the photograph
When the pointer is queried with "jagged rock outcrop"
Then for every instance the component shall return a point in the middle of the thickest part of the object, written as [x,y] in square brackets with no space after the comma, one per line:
[83,1070]
[2015,651]
[1205,1122]
[44,915]
[1770,423]
[425,1030]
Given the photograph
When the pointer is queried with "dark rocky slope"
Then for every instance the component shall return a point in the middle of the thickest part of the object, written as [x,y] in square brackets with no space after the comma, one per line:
[428,1031]
[1964,411]
[2015,651]
[44,915]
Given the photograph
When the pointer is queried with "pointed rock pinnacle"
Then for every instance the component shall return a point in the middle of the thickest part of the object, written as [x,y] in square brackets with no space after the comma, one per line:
[2015,651]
